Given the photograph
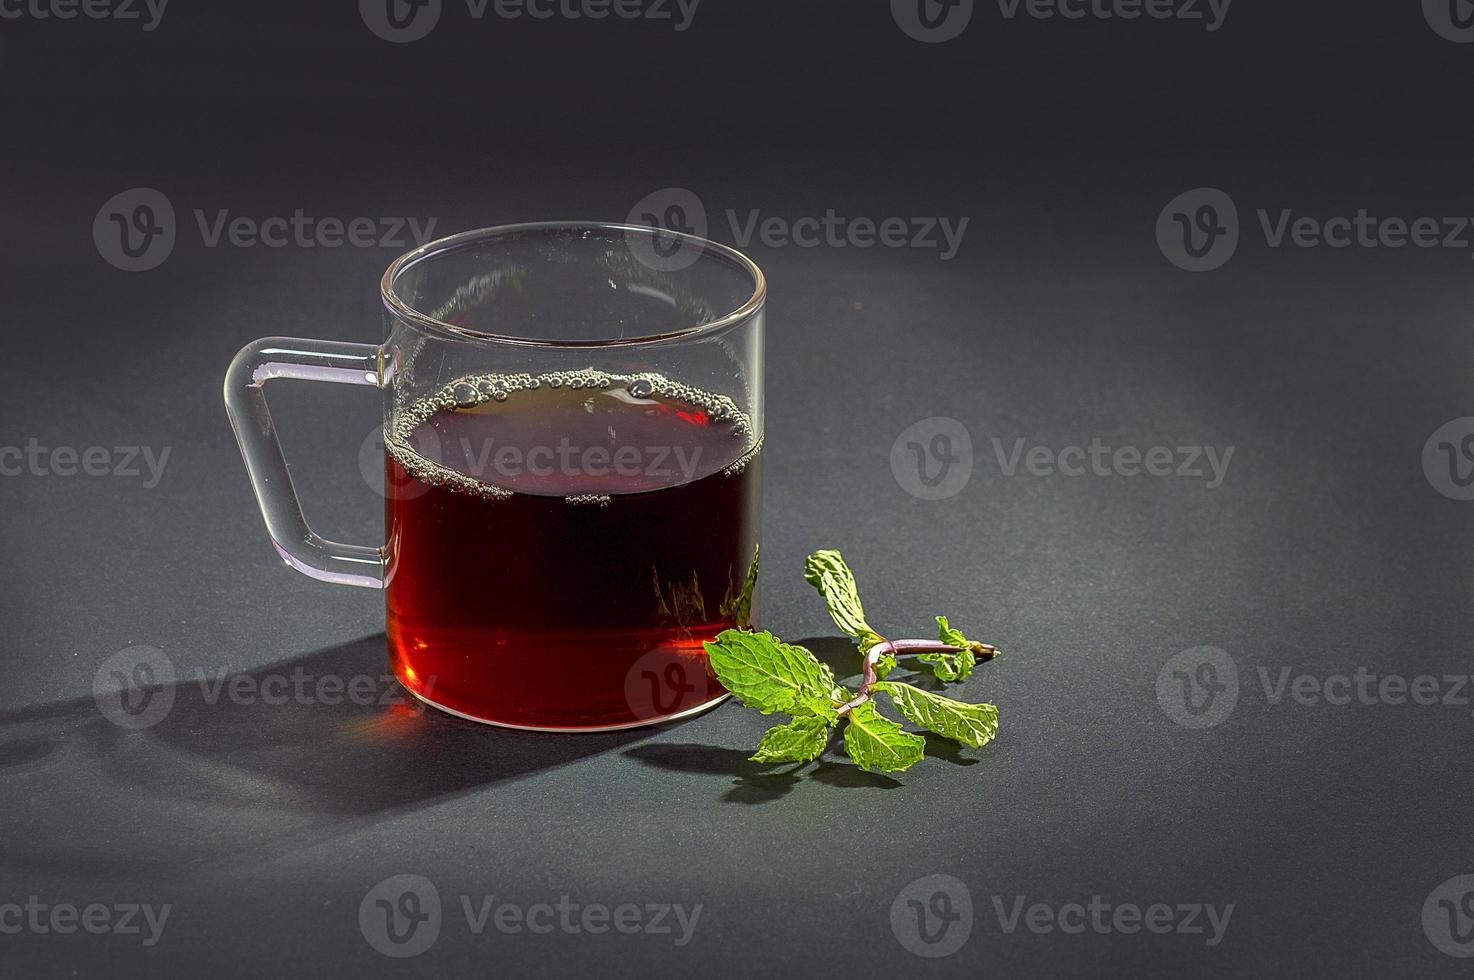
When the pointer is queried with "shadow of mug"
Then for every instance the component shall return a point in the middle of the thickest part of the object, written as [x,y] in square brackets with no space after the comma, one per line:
[237,765]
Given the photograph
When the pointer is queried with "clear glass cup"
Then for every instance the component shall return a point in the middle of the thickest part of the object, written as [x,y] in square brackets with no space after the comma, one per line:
[573,424]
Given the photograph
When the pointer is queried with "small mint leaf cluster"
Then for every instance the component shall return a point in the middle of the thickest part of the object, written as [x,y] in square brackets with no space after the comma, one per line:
[765,673]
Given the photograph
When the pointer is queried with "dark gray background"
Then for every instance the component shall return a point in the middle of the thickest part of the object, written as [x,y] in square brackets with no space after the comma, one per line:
[1059,321]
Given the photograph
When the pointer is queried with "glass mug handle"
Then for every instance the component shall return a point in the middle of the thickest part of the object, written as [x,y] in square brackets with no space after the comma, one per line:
[245,402]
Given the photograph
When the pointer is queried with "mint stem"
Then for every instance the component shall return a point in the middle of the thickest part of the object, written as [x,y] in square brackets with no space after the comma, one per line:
[873,655]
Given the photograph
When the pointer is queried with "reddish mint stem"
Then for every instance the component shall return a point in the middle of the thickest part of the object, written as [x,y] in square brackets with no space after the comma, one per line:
[873,655]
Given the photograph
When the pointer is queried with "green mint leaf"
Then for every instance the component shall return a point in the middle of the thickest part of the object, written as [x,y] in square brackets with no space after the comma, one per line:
[827,572]
[874,741]
[769,675]
[948,666]
[970,724]
[739,606]
[884,664]
[951,666]
[801,740]
[947,634]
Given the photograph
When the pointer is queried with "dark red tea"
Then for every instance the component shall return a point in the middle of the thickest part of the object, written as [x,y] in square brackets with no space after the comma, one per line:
[559,546]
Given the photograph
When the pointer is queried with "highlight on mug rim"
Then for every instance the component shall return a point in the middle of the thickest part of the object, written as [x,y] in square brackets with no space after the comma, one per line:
[480,236]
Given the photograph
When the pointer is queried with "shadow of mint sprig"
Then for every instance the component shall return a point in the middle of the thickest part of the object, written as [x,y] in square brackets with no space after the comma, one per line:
[765,673]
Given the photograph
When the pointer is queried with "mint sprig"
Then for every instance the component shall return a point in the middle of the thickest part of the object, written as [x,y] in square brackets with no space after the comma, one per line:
[765,673]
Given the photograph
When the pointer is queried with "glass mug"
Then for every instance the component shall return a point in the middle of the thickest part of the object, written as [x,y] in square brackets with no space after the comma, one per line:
[573,423]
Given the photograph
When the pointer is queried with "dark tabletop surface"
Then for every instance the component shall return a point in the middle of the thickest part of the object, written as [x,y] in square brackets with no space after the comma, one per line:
[1311,820]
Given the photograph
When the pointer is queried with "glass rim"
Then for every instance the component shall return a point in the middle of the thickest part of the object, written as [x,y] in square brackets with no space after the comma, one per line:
[404,311]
